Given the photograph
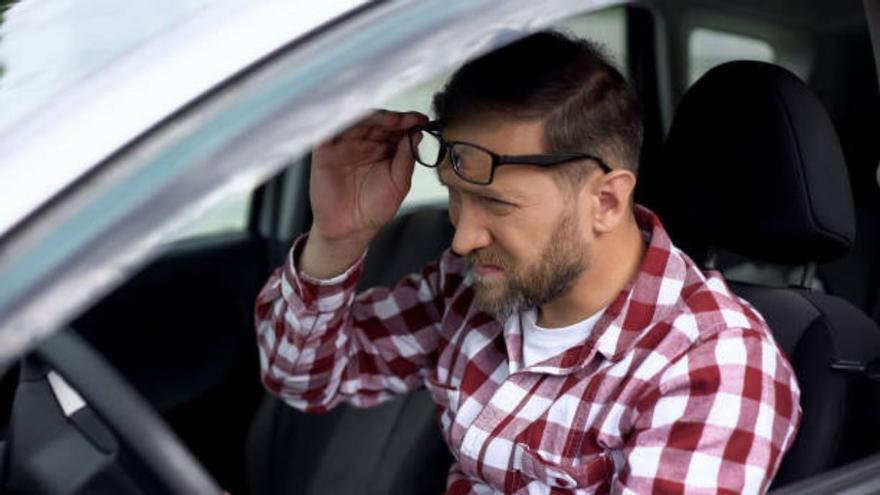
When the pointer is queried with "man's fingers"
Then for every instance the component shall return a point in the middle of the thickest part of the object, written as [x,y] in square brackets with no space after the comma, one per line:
[402,165]
[382,118]
[391,119]
[375,134]
[360,131]
[354,152]
[381,121]
[380,126]
[381,134]
[411,119]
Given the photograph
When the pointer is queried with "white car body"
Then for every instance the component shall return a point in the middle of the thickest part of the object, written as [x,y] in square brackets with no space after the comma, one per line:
[95,178]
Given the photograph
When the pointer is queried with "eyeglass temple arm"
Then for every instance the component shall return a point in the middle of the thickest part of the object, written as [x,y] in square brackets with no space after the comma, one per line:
[546,160]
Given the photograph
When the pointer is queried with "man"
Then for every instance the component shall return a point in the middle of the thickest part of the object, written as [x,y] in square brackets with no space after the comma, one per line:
[570,346]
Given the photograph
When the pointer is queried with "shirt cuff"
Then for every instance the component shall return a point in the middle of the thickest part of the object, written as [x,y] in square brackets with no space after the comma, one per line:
[325,295]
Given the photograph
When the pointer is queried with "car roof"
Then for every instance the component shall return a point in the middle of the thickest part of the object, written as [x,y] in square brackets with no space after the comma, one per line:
[115,83]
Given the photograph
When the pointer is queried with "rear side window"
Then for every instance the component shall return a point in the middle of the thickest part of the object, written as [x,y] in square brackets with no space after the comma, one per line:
[228,216]
[606,27]
[708,48]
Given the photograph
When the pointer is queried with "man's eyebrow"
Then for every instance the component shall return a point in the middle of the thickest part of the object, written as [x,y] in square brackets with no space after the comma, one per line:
[482,191]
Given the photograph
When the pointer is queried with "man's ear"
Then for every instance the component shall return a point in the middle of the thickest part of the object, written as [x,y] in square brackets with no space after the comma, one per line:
[611,195]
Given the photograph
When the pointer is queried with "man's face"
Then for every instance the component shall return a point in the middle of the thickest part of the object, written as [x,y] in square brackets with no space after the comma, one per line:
[524,234]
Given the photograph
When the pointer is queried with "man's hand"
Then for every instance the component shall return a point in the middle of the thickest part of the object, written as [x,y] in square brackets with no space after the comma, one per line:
[358,180]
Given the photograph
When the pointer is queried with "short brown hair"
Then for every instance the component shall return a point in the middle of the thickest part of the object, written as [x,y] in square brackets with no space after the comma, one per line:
[586,104]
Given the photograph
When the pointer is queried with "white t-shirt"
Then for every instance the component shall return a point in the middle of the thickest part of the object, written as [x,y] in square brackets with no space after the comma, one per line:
[541,343]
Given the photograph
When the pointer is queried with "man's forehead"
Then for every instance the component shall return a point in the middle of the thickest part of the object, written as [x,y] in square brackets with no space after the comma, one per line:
[502,136]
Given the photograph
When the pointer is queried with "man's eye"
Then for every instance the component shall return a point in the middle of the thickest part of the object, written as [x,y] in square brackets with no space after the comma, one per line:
[496,202]
[454,157]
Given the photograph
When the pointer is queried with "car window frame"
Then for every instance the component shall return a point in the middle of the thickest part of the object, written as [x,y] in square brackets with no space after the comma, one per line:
[49,277]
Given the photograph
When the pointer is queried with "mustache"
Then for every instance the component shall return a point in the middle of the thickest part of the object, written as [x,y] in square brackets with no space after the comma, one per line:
[483,257]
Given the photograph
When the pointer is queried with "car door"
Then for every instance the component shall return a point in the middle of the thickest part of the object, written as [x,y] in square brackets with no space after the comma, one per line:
[181,332]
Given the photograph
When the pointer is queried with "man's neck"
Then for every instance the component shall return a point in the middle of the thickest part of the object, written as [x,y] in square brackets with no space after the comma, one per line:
[615,262]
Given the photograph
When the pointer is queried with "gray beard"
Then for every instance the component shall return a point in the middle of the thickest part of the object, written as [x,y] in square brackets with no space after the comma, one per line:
[562,262]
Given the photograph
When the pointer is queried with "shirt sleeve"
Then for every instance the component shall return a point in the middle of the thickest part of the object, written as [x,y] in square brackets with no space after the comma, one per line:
[719,422]
[319,344]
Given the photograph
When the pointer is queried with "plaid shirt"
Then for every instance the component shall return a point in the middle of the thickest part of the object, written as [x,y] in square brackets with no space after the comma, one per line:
[680,388]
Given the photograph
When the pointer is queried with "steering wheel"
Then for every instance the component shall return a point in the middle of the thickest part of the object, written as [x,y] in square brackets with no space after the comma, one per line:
[128,415]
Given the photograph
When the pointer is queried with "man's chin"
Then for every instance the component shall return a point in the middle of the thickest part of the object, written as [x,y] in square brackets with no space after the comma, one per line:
[487,295]
[496,301]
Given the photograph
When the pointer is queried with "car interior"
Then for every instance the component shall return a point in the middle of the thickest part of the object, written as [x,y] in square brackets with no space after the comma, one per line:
[759,157]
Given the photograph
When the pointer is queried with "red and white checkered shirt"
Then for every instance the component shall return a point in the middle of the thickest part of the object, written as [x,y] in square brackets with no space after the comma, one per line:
[680,387]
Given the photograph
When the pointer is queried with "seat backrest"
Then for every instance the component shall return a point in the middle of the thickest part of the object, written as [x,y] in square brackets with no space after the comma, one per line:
[832,347]
[752,166]
[394,448]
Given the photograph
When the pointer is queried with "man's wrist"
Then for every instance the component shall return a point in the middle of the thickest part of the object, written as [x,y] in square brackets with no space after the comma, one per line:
[324,259]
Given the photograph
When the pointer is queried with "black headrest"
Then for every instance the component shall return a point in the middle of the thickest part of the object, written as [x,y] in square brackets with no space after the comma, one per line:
[752,165]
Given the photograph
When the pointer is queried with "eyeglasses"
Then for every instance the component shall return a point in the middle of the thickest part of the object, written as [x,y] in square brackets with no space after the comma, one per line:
[476,164]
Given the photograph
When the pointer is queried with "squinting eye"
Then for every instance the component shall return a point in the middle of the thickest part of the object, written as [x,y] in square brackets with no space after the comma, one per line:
[495,202]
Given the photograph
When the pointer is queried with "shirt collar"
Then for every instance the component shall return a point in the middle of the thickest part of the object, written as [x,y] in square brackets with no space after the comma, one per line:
[647,299]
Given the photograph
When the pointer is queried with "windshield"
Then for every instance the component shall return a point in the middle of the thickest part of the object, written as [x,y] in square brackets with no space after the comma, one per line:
[49,45]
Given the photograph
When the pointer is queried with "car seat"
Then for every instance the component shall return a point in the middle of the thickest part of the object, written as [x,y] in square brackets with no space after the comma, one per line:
[393,448]
[752,166]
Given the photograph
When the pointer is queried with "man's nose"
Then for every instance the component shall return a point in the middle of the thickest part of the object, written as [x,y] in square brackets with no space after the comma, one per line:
[470,233]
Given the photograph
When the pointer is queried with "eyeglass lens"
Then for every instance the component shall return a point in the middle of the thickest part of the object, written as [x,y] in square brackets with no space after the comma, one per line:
[469,162]
[428,149]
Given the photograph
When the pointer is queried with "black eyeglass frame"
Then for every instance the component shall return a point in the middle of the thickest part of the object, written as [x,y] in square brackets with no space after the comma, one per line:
[543,160]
